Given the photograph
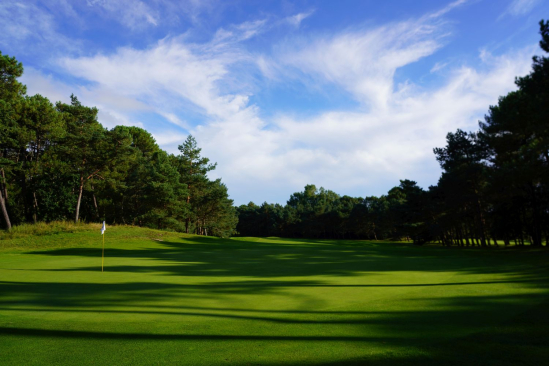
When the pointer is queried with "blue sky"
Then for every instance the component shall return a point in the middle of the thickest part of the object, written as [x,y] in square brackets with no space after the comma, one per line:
[348,95]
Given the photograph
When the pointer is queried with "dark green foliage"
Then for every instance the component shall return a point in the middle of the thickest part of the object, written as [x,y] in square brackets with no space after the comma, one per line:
[321,213]
[154,195]
[55,193]
[213,211]
[517,134]
[10,70]
[11,97]
[192,169]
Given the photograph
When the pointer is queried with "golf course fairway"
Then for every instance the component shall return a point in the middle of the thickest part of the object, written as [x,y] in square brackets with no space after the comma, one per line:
[171,298]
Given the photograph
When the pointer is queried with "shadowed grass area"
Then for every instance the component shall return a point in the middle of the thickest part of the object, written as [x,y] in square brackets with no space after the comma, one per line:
[174,298]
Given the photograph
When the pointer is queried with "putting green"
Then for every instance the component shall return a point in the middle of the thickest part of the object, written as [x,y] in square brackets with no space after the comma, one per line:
[183,299]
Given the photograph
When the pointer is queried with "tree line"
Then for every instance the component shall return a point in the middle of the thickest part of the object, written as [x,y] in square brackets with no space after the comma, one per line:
[494,185]
[57,162]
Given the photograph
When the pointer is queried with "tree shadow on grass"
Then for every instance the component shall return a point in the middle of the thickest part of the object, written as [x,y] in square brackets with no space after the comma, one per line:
[151,298]
[204,256]
[142,298]
[522,339]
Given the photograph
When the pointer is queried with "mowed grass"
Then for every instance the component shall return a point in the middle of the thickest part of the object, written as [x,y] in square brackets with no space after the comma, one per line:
[168,298]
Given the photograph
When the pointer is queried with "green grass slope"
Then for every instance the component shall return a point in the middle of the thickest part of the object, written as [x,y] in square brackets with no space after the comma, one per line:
[183,299]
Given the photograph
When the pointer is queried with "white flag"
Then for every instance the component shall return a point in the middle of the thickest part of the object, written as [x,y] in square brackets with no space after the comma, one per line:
[103,228]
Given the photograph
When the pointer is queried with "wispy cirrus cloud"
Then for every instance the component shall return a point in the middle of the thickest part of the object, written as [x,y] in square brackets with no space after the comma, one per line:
[364,62]
[448,8]
[139,15]
[169,67]
[520,7]
[296,19]
[170,81]
[27,28]
[133,14]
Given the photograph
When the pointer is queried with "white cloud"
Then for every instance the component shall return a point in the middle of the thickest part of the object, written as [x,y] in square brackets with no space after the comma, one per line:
[25,28]
[296,19]
[170,69]
[347,150]
[248,30]
[114,109]
[237,33]
[171,139]
[438,66]
[521,7]
[46,85]
[175,120]
[65,7]
[131,13]
[110,118]
[446,9]
[141,15]
[364,62]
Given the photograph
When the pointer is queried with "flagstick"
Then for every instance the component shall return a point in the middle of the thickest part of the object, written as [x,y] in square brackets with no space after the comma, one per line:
[103,253]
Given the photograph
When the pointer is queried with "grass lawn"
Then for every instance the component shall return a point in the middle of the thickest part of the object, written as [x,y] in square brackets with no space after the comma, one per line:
[183,299]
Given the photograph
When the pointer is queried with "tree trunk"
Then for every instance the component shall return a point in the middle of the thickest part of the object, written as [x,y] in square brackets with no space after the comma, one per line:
[3,199]
[4,185]
[24,192]
[188,219]
[95,202]
[96,209]
[536,224]
[79,198]
[460,236]
[35,206]
[5,211]
[480,222]
[467,239]
[470,235]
